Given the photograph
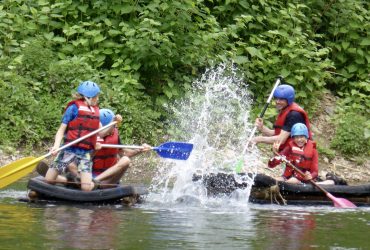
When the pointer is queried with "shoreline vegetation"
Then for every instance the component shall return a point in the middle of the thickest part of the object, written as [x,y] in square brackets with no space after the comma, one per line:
[355,171]
[146,55]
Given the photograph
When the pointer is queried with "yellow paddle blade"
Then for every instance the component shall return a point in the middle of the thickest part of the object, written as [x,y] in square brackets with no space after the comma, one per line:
[20,168]
[11,166]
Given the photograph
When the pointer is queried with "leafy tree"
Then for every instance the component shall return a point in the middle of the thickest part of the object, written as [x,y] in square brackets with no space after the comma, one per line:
[146,53]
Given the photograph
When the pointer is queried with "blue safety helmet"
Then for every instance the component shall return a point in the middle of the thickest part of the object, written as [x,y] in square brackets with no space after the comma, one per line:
[299,129]
[88,89]
[285,91]
[106,116]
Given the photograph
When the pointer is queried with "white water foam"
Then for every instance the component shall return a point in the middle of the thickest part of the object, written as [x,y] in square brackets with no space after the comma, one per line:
[215,118]
[10,193]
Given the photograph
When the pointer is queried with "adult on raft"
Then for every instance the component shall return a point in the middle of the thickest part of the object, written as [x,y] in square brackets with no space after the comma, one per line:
[290,113]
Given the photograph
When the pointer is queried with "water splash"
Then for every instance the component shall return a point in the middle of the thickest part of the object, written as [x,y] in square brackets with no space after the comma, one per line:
[11,194]
[215,118]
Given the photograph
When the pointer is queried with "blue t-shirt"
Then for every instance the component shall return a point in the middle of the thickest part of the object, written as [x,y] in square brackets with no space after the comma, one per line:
[70,114]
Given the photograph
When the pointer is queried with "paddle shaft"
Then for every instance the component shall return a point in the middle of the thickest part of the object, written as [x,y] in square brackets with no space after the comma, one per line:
[301,173]
[172,150]
[338,202]
[82,138]
[124,146]
[36,160]
[240,163]
[277,83]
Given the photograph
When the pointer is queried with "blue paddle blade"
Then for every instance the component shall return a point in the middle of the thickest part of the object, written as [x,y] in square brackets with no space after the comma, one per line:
[174,150]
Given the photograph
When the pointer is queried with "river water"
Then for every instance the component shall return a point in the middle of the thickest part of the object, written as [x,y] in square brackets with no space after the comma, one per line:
[185,224]
[177,213]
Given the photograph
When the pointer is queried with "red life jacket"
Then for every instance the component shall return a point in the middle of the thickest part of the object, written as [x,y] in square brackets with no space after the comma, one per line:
[282,117]
[106,157]
[87,120]
[301,158]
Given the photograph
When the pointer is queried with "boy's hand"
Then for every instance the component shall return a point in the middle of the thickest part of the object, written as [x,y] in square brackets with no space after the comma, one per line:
[256,139]
[118,118]
[98,146]
[53,150]
[276,146]
[146,148]
[307,176]
[259,123]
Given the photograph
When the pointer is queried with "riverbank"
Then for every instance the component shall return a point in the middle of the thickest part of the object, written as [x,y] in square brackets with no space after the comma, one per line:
[354,170]
[143,167]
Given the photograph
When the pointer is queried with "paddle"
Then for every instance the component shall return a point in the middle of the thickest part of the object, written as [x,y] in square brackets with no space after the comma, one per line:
[173,150]
[240,164]
[16,170]
[338,202]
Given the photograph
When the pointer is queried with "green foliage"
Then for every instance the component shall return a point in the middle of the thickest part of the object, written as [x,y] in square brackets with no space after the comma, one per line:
[144,54]
[273,39]
[24,118]
[122,93]
[323,151]
[160,40]
[346,26]
[352,134]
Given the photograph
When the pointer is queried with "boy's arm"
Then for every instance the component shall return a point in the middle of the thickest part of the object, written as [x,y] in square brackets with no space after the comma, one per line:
[58,137]
[70,114]
[315,165]
[262,128]
[281,138]
[274,161]
[133,152]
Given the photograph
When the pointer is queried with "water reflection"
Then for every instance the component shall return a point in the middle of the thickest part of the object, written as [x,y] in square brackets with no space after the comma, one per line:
[19,226]
[292,230]
[81,228]
[190,225]
[217,225]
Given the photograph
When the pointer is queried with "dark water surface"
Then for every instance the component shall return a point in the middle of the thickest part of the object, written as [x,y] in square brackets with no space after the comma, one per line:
[183,225]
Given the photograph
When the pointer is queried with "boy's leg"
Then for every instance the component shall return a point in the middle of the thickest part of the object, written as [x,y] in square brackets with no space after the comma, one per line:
[293,180]
[73,168]
[113,174]
[86,181]
[51,175]
[280,178]
[326,182]
[58,166]
[42,168]
[84,164]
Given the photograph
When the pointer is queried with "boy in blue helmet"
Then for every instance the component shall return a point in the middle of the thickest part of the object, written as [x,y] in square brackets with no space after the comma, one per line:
[302,152]
[110,164]
[81,116]
[289,114]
